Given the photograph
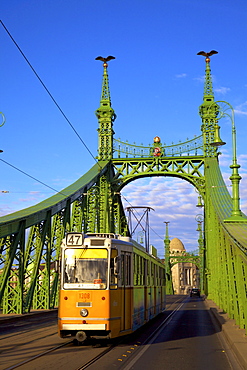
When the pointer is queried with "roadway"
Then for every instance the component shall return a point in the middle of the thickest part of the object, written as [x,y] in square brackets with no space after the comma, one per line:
[185,336]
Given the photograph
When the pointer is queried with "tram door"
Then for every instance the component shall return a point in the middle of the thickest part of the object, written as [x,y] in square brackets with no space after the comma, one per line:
[126,291]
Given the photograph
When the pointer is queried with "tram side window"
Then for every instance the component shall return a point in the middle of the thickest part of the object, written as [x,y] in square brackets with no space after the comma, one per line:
[162,282]
[155,275]
[135,269]
[114,269]
[122,270]
[142,271]
[148,272]
[152,274]
[145,272]
[125,269]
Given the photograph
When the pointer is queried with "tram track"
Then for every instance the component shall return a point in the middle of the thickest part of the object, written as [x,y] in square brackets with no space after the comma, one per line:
[38,356]
[96,358]
[151,338]
[93,354]
[14,346]
[138,344]
[22,333]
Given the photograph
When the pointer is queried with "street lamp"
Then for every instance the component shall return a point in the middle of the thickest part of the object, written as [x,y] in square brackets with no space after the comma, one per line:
[169,286]
[167,241]
[236,214]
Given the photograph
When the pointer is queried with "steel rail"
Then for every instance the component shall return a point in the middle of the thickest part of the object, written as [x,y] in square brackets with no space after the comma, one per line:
[154,333]
[37,356]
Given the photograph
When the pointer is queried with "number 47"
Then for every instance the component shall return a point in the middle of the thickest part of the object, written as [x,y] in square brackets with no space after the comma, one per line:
[74,239]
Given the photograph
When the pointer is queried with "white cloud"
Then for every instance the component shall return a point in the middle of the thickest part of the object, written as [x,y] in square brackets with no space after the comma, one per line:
[241,109]
[222,90]
[18,203]
[181,75]
[225,158]
[242,160]
[200,79]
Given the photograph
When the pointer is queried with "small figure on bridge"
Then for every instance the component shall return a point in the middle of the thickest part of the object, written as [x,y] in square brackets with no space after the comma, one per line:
[157,152]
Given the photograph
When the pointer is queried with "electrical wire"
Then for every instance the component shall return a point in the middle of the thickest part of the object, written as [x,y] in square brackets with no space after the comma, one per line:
[25,173]
[49,93]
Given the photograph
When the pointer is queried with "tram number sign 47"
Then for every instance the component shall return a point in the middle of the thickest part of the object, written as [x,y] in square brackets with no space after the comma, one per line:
[74,239]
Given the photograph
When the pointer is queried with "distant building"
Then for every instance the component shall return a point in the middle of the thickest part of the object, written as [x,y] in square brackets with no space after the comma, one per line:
[185,275]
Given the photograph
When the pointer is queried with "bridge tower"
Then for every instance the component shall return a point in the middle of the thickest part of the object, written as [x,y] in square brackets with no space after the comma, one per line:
[106,116]
[208,111]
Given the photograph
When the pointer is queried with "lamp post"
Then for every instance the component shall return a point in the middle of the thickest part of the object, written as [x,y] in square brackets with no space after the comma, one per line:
[236,214]
[167,243]
[169,286]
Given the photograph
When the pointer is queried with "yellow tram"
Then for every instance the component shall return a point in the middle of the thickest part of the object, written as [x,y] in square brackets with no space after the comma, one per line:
[110,286]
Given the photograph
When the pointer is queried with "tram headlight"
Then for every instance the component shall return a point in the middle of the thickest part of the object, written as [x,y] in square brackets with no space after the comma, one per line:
[83,312]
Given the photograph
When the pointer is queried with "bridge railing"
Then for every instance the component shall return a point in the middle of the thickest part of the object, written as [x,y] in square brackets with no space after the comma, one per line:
[189,147]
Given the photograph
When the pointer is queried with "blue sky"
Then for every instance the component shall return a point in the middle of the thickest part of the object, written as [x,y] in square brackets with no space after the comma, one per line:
[156,85]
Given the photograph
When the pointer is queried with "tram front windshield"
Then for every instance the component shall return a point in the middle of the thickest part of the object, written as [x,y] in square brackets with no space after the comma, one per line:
[85,268]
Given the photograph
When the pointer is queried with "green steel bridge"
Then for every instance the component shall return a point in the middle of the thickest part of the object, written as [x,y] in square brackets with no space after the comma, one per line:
[30,239]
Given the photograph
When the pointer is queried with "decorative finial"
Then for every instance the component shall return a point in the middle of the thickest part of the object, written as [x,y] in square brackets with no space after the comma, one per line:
[105,60]
[157,139]
[207,55]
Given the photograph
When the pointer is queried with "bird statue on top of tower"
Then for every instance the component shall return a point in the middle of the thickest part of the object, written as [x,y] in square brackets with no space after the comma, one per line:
[207,55]
[105,60]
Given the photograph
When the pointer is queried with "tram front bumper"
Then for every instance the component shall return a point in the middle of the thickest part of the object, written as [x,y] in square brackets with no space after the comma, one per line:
[83,327]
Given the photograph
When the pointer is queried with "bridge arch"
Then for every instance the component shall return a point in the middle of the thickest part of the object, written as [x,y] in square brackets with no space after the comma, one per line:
[167,195]
[188,169]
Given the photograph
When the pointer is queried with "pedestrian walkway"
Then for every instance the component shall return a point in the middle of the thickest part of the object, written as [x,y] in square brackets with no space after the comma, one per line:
[235,337]
[34,313]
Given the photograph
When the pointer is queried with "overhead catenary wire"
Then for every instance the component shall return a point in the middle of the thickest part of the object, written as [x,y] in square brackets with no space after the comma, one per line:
[25,173]
[140,215]
[49,93]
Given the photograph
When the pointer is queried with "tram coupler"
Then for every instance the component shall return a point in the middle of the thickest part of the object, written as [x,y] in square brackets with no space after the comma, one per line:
[81,336]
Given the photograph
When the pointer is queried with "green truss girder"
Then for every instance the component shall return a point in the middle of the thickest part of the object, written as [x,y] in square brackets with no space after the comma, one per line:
[185,258]
[188,168]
